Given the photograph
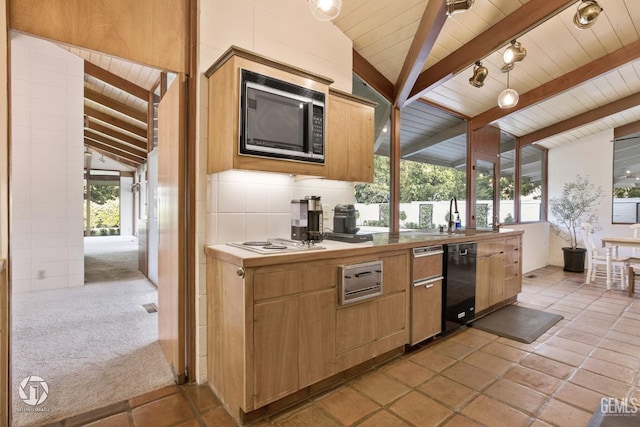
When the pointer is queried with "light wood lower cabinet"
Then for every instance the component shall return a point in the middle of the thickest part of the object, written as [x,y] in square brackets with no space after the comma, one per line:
[426,314]
[317,337]
[512,267]
[498,271]
[275,346]
[277,329]
[293,342]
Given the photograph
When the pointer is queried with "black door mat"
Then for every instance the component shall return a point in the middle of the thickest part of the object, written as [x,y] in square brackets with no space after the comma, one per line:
[517,323]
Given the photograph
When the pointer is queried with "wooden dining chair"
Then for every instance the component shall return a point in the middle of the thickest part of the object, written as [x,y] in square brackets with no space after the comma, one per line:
[634,262]
[620,265]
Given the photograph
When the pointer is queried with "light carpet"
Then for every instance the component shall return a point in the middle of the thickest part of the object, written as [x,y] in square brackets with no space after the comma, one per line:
[93,346]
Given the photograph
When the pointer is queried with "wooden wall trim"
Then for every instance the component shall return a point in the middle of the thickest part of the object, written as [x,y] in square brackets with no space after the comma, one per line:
[151,32]
[4,217]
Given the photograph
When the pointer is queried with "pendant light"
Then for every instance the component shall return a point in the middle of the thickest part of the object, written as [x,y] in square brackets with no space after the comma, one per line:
[508,98]
[325,10]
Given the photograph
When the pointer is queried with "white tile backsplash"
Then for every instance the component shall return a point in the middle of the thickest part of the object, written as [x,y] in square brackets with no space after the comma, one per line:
[230,227]
[231,197]
[266,211]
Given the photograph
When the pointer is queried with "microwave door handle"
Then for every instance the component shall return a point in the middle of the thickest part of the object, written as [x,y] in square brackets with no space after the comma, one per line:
[309,127]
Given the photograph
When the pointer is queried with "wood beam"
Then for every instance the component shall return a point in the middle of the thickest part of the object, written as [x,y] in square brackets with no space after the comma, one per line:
[373,77]
[430,26]
[526,17]
[565,82]
[142,155]
[151,32]
[582,119]
[121,137]
[115,105]
[114,121]
[445,135]
[626,130]
[112,154]
[115,81]
[394,172]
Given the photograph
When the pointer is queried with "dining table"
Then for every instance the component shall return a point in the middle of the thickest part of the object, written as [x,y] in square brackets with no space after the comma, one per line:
[611,244]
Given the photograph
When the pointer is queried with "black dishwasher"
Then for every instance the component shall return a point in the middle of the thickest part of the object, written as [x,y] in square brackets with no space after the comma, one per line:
[459,294]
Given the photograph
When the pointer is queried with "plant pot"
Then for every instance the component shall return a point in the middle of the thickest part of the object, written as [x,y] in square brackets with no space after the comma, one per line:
[574,259]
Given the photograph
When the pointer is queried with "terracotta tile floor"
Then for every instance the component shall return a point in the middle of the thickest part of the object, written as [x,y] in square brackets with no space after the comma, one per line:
[467,379]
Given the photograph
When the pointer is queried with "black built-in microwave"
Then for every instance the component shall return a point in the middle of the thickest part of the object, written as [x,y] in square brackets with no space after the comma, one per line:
[280,119]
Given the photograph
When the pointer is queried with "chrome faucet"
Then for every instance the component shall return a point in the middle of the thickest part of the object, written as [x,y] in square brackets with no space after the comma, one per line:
[452,203]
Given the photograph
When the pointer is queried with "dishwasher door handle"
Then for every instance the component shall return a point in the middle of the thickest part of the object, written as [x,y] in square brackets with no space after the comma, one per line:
[428,282]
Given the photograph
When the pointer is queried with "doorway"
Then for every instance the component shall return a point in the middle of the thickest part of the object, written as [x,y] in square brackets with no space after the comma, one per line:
[90,339]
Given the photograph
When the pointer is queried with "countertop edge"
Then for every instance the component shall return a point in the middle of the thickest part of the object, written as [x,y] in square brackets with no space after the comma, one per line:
[246,258]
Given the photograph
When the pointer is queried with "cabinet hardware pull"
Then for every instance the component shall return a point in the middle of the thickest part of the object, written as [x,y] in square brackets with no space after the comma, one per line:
[428,281]
[364,273]
[240,272]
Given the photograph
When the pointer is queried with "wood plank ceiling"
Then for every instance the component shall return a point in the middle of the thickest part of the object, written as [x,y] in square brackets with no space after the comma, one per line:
[116,110]
[572,83]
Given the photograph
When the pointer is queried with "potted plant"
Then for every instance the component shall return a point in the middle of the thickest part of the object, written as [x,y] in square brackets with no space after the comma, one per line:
[575,206]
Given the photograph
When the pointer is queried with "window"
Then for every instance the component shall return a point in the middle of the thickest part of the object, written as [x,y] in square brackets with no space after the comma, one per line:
[533,161]
[626,180]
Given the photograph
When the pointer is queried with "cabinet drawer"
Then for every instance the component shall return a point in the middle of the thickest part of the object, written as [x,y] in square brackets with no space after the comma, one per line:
[287,282]
[511,270]
[512,244]
[512,287]
[512,257]
[490,247]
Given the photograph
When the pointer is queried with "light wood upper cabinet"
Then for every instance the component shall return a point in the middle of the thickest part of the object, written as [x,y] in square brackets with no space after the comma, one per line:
[224,112]
[350,137]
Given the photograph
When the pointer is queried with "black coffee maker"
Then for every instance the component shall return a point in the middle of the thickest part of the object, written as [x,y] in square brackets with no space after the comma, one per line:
[344,219]
[306,219]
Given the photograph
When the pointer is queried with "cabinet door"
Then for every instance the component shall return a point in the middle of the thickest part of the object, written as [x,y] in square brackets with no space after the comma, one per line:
[356,326]
[275,346]
[426,311]
[392,314]
[360,143]
[317,334]
[395,273]
[349,140]
[489,275]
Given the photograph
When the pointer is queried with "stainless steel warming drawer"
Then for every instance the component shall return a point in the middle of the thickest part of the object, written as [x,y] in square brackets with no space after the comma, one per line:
[360,281]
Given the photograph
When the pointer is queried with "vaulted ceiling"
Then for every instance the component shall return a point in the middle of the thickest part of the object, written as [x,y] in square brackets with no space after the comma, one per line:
[117,94]
[572,83]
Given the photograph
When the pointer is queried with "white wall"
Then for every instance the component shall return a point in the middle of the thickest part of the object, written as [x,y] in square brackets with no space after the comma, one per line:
[126,206]
[592,157]
[47,166]
[227,207]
